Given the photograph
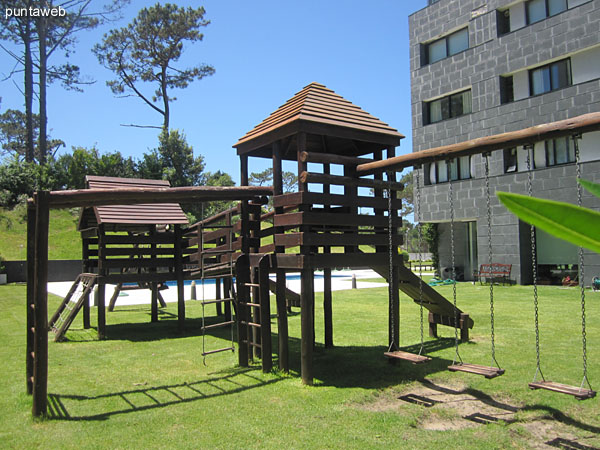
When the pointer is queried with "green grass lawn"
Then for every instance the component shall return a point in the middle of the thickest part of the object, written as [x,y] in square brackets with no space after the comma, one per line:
[147,387]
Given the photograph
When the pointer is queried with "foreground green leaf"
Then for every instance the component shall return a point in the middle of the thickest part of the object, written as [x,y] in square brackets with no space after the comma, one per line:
[594,188]
[576,225]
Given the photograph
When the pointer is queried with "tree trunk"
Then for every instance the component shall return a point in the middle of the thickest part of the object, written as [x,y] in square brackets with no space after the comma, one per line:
[43,144]
[165,97]
[30,152]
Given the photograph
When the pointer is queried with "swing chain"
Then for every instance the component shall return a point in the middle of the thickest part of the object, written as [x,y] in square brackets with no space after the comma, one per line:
[456,316]
[529,151]
[417,187]
[576,138]
[490,253]
[392,346]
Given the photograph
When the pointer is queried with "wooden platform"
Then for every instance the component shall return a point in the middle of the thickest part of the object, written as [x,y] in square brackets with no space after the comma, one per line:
[406,356]
[575,391]
[486,371]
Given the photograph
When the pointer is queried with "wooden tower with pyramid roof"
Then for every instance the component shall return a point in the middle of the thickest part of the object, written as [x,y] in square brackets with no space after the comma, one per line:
[335,219]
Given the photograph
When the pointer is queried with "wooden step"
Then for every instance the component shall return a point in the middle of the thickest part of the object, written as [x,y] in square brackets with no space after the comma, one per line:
[254,305]
[575,391]
[218,300]
[218,325]
[486,371]
[406,356]
[210,352]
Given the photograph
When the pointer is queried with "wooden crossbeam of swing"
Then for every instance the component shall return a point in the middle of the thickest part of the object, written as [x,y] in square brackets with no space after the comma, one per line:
[576,125]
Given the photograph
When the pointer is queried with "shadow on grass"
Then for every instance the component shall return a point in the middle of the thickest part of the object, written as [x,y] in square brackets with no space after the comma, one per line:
[367,367]
[165,328]
[102,407]
[550,413]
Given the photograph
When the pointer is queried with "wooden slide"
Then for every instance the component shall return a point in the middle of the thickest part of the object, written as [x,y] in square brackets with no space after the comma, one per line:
[437,304]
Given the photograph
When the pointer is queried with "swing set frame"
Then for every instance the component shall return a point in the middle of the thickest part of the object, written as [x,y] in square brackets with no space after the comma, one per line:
[573,128]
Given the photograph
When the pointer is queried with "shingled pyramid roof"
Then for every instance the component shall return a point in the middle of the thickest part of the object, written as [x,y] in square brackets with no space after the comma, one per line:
[317,109]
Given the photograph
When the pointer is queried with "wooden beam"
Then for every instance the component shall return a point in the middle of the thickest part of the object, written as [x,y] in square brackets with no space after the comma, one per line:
[327,308]
[179,277]
[576,125]
[30,315]
[242,278]
[288,201]
[282,321]
[265,314]
[330,158]
[310,177]
[102,271]
[307,298]
[131,196]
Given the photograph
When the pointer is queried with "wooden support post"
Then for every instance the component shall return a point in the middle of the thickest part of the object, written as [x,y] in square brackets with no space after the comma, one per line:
[327,297]
[432,326]
[282,321]
[30,315]
[350,192]
[218,296]
[265,314]
[227,293]
[255,350]
[102,271]
[85,269]
[464,327]
[242,278]
[179,276]
[40,345]
[328,308]
[153,302]
[306,324]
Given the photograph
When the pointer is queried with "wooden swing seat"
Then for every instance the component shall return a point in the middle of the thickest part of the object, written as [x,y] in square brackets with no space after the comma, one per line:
[406,356]
[486,371]
[575,391]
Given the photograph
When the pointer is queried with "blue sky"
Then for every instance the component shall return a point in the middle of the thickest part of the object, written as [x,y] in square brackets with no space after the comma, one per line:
[263,52]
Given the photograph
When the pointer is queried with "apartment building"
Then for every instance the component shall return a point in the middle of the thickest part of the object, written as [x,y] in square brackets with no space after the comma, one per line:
[483,67]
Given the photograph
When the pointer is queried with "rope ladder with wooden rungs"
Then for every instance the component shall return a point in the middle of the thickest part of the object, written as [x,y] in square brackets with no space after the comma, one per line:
[228,297]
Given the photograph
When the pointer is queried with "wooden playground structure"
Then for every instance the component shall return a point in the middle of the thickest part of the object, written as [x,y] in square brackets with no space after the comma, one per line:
[321,226]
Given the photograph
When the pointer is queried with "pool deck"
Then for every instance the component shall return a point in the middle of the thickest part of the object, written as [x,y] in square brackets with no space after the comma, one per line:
[340,280]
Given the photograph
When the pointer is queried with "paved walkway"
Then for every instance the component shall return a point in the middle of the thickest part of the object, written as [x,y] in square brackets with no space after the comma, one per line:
[340,280]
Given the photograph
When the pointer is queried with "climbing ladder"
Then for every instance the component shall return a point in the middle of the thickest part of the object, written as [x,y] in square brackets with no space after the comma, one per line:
[67,311]
[212,266]
[251,320]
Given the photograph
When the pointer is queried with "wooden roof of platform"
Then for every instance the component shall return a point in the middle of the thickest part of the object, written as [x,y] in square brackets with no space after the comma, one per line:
[320,111]
[130,215]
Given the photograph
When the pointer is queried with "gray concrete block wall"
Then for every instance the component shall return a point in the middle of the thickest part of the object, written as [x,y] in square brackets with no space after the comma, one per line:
[479,68]
[488,57]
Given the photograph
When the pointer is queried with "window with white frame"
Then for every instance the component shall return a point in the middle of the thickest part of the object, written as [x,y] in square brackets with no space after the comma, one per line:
[447,46]
[537,10]
[438,172]
[511,160]
[454,105]
[559,151]
[550,77]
